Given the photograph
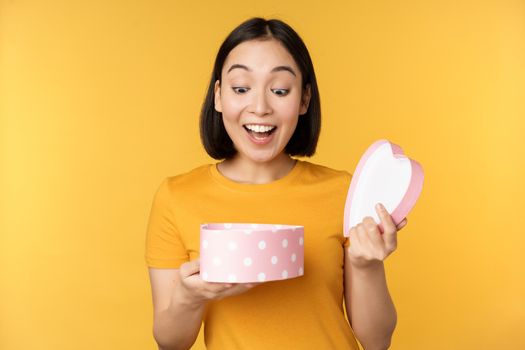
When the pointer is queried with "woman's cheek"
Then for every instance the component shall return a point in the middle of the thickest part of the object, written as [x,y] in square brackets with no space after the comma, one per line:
[290,106]
[234,106]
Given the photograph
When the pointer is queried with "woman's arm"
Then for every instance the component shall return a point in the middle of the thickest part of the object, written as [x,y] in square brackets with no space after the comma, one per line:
[177,321]
[369,307]
[180,297]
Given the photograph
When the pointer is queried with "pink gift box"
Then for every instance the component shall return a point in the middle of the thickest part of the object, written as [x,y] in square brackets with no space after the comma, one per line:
[384,175]
[250,252]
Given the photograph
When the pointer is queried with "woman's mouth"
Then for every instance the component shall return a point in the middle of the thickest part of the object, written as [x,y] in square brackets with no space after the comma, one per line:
[260,137]
[260,134]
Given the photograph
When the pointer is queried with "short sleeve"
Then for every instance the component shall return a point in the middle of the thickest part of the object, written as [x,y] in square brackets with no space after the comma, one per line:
[164,246]
[348,180]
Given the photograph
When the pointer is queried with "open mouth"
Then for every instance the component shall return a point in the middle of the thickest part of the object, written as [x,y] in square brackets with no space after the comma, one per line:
[260,134]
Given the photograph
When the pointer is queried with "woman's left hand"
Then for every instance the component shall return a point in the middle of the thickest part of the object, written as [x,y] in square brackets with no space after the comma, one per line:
[368,247]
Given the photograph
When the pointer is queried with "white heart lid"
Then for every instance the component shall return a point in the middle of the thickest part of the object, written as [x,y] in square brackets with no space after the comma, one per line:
[384,175]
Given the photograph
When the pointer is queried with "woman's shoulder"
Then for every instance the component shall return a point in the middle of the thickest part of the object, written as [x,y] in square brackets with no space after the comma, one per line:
[186,178]
[325,171]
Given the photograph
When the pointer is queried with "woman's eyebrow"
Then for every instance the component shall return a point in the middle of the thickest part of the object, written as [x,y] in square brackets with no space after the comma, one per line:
[276,69]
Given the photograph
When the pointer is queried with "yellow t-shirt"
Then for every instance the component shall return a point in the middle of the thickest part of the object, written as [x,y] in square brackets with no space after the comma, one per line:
[305,312]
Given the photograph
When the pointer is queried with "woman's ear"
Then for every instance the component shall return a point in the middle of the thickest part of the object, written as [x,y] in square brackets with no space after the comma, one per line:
[305,100]
[217,92]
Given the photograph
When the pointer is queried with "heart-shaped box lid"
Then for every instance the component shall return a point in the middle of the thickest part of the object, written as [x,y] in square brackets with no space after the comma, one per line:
[386,175]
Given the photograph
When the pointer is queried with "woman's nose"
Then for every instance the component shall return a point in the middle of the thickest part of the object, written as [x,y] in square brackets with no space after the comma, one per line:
[260,104]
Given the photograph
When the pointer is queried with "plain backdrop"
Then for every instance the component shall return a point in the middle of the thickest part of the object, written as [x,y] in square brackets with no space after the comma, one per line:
[100,100]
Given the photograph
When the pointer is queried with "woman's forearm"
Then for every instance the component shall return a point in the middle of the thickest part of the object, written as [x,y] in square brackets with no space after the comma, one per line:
[373,313]
[178,326]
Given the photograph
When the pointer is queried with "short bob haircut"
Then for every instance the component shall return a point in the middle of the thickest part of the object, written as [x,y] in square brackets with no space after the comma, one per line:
[303,142]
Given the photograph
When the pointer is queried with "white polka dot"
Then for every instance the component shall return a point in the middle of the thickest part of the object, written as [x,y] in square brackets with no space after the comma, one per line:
[205,244]
[232,278]
[248,232]
[232,245]
[261,277]
[205,276]
[255,225]
[247,261]
[285,243]
[284,274]
[227,225]
[300,271]
[301,240]
[217,261]
[294,257]
[262,244]
[274,260]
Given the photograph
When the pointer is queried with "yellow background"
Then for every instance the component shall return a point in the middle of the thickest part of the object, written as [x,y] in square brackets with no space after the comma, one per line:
[100,101]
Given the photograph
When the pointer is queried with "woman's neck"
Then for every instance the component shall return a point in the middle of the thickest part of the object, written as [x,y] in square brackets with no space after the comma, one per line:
[245,170]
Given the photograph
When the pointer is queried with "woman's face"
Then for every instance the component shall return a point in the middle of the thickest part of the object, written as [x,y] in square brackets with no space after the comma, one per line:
[261,84]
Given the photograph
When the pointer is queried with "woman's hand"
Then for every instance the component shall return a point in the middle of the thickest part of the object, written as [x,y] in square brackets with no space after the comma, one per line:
[368,246]
[194,290]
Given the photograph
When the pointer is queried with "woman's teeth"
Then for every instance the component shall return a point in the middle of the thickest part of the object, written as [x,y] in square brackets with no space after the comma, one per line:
[259,128]
[260,131]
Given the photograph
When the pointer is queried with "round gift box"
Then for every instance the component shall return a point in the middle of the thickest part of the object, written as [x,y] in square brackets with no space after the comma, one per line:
[248,252]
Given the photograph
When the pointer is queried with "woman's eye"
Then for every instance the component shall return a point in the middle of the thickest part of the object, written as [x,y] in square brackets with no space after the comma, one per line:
[283,92]
[241,88]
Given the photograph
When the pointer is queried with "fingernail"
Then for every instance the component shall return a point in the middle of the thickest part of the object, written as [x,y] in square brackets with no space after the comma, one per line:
[380,206]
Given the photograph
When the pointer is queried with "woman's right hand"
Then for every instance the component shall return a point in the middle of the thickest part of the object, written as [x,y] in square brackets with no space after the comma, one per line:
[196,291]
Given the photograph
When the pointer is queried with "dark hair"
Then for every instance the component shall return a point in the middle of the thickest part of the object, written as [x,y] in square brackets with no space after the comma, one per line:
[303,142]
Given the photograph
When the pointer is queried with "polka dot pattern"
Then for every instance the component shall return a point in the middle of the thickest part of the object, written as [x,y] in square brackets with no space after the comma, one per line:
[232,278]
[240,253]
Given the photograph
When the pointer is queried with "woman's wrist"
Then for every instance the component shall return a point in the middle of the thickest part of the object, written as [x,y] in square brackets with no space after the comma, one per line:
[369,268]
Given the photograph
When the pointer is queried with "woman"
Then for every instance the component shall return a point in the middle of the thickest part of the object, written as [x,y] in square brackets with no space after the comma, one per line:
[262,108]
